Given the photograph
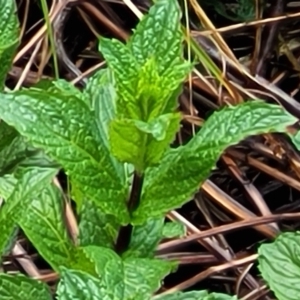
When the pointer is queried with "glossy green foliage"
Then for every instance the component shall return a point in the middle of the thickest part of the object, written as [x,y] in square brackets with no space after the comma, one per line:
[131,278]
[147,141]
[173,230]
[18,191]
[16,152]
[95,227]
[79,285]
[20,287]
[149,71]
[195,295]
[279,264]
[65,127]
[12,148]
[48,231]
[9,37]
[145,238]
[183,169]
[296,139]
[101,93]
[9,230]
[37,207]
[122,283]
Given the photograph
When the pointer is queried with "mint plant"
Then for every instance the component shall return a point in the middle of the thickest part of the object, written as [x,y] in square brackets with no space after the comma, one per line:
[113,141]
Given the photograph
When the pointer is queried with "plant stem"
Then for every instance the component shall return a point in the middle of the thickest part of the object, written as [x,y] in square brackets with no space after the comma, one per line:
[136,191]
[124,235]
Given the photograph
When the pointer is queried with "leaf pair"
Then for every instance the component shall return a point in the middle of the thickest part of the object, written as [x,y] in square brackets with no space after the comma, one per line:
[149,71]
[73,139]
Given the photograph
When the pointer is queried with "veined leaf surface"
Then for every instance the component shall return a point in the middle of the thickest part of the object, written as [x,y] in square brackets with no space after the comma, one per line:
[148,81]
[20,287]
[184,169]
[78,285]
[95,227]
[18,192]
[195,295]
[65,128]
[173,230]
[128,279]
[43,224]
[145,238]
[9,32]
[279,264]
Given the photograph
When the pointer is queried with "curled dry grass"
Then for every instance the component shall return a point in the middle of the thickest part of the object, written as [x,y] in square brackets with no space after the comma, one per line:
[253,195]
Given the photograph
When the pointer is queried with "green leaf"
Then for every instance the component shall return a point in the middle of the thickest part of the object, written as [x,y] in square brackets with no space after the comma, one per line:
[12,147]
[296,139]
[30,182]
[149,72]
[143,144]
[71,139]
[96,228]
[18,191]
[158,127]
[27,184]
[9,231]
[7,185]
[60,86]
[43,224]
[101,93]
[132,278]
[157,46]
[20,287]
[8,226]
[279,264]
[219,296]
[193,295]
[155,92]
[9,41]
[145,238]
[78,285]
[16,152]
[42,220]
[183,170]
[158,33]
[63,86]
[173,230]
[125,69]
[150,68]
[234,123]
